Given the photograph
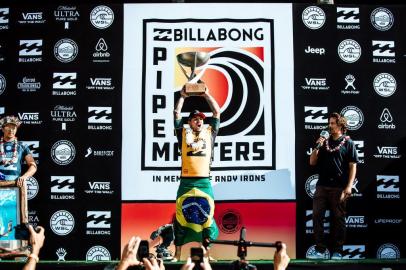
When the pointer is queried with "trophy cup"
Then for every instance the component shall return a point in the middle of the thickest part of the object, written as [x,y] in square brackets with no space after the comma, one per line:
[193,60]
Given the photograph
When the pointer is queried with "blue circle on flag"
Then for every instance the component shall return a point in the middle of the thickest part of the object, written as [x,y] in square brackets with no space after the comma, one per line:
[196,210]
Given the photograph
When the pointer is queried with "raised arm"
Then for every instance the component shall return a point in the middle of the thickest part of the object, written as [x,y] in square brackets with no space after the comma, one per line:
[215,108]
[179,104]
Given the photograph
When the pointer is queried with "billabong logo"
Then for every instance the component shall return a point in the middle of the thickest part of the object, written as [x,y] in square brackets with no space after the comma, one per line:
[4,18]
[355,117]
[30,51]
[382,48]
[387,186]
[316,115]
[63,152]
[101,17]
[384,84]
[349,50]
[98,253]
[98,220]
[100,115]
[313,17]
[66,50]
[62,184]
[353,252]
[388,251]
[32,188]
[34,148]
[348,18]
[62,222]
[382,19]
[64,80]
[309,221]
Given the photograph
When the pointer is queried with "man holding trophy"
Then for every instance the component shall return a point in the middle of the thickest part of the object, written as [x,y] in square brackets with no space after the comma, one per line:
[195,203]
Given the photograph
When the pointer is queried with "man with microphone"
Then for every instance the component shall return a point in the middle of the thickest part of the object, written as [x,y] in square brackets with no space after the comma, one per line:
[335,158]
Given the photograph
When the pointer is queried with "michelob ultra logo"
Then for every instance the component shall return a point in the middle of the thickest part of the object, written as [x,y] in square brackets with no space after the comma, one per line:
[239,76]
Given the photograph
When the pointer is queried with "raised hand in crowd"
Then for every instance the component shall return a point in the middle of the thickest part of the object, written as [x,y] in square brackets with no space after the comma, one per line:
[281,258]
[129,257]
[205,265]
[37,238]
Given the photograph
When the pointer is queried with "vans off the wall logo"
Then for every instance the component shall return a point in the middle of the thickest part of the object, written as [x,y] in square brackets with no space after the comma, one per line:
[235,77]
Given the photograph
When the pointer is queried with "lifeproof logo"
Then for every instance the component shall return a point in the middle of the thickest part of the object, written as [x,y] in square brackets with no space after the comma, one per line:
[101,17]
[241,80]
[32,188]
[62,222]
[388,251]
[355,117]
[313,17]
[382,19]
[353,252]
[98,253]
[384,84]
[387,187]
[63,152]
[349,50]
[348,18]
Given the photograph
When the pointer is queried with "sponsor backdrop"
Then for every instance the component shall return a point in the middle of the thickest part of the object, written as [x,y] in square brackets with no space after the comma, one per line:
[95,86]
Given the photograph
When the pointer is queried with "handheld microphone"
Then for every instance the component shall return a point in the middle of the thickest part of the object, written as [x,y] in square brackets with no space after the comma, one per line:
[323,134]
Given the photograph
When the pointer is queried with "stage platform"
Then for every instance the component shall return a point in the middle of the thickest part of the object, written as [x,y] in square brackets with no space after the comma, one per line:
[367,264]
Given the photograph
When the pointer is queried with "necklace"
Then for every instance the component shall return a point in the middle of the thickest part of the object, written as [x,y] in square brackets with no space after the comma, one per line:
[4,160]
[338,146]
[194,141]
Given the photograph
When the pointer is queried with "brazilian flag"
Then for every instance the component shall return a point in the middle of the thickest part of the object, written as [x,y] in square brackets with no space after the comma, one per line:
[194,211]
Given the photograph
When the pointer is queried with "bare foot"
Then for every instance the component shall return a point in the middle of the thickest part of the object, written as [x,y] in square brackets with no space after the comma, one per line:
[175,260]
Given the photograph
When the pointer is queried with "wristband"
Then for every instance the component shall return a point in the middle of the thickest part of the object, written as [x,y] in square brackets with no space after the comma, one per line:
[35,257]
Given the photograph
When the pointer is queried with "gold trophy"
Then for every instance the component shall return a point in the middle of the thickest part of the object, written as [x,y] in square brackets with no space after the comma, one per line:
[193,60]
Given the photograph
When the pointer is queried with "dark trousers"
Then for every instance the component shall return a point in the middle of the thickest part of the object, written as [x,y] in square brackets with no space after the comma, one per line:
[328,198]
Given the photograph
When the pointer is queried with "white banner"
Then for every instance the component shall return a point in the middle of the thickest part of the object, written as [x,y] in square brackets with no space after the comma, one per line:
[249,73]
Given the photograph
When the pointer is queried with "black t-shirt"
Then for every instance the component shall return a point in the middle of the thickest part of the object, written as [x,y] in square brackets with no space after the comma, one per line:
[333,167]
